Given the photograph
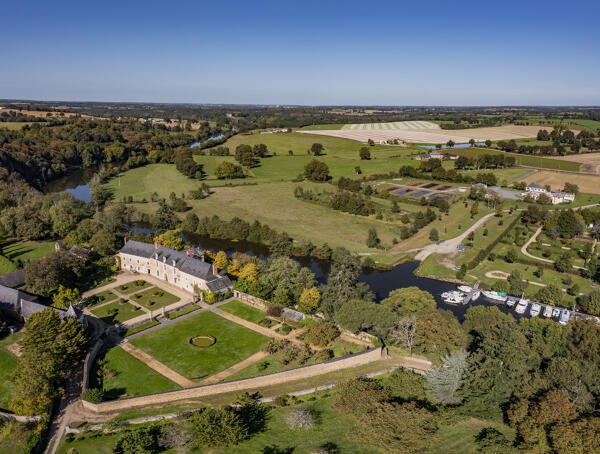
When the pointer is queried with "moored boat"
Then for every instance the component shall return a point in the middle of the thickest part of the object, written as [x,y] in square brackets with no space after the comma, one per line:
[496,296]
[535,309]
[548,311]
[565,315]
[521,306]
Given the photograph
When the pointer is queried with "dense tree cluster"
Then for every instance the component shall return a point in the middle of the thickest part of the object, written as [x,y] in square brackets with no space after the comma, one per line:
[184,162]
[39,153]
[486,161]
[49,347]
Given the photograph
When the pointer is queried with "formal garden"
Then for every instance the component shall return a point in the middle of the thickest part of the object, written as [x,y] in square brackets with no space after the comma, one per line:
[117,312]
[172,345]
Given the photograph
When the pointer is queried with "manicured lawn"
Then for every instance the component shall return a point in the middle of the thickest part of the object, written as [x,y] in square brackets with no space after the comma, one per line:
[8,364]
[103,297]
[180,312]
[132,377]
[133,286]
[13,250]
[117,312]
[142,327]
[244,311]
[171,345]
[154,298]
[460,438]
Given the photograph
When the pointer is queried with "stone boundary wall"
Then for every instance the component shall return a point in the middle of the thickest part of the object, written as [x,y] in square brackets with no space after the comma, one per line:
[258,303]
[345,362]
[89,361]
[23,419]
[361,335]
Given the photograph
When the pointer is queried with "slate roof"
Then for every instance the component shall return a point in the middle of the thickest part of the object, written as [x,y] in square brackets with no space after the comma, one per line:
[26,305]
[183,262]
[535,186]
[14,279]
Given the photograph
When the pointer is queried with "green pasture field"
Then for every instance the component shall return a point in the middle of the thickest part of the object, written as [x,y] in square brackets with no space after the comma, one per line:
[457,221]
[8,364]
[131,377]
[149,300]
[275,205]
[502,174]
[244,311]
[325,127]
[481,241]
[523,160]
[141,182]
[171,345]
[300,143]
[592,124]
[125,311]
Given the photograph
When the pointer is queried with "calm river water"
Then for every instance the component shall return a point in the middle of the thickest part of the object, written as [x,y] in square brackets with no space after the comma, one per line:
[381,282]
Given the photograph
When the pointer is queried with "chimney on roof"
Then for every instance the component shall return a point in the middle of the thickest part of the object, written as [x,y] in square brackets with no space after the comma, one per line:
[215,269]
[124,240]
[156,244]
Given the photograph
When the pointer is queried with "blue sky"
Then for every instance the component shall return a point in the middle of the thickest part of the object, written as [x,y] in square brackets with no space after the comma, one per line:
[314,53]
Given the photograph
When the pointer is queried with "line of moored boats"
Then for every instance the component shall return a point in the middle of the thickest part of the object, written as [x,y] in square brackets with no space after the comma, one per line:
[464,294]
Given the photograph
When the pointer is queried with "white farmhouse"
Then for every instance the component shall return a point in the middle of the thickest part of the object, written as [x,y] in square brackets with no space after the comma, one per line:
[534,191]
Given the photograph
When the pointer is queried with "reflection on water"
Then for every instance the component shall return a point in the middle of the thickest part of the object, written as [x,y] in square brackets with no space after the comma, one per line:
[76,183]
[381,282]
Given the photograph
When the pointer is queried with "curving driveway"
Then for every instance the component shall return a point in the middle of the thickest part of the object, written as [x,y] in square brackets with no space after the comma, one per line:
[449,246]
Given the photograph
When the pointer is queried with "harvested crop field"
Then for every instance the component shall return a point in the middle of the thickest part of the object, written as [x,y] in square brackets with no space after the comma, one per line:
[425,135]
[396,125]
[588,184]
[590,162]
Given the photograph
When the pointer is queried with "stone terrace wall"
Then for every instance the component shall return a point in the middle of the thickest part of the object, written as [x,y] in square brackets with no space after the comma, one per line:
[24,419]
[251,300]
[345,362]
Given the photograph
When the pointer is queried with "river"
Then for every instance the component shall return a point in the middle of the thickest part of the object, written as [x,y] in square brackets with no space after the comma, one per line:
[381,282]
[76,183]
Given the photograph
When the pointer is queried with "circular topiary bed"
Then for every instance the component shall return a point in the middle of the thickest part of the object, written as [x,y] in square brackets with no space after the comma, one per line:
[202,341]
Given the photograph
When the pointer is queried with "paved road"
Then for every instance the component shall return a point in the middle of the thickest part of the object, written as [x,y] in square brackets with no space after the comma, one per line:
[449,246]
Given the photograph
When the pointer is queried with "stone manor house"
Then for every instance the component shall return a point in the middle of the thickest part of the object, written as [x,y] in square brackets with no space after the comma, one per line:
[184,269]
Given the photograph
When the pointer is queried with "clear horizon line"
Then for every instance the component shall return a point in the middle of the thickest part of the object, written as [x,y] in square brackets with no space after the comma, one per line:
[587,106]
